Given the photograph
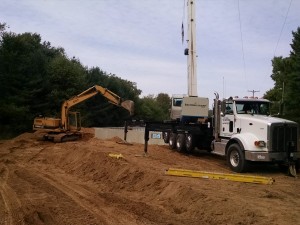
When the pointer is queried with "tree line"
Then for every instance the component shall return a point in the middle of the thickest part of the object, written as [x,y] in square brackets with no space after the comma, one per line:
[35,79]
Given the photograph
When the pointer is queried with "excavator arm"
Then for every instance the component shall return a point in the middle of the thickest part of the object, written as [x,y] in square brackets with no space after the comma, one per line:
[109,95]
[59,130]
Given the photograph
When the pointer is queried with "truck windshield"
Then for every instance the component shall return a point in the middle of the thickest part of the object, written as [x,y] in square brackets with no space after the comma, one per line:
[252,107]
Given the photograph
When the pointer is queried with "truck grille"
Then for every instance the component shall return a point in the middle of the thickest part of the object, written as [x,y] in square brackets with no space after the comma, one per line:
[284,137]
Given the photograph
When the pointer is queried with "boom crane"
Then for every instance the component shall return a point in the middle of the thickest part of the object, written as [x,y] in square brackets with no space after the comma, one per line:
[69,125]
[191,50]
[190,108]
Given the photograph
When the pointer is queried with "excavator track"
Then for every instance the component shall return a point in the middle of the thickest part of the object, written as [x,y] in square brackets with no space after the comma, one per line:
[63,137]
[60,137]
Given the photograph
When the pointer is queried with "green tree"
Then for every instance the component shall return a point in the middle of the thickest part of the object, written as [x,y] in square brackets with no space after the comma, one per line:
[152,108]
[286,75]
[35,78]
[65,78]
[22,79]
[293,88]
[164,102]
[98,111]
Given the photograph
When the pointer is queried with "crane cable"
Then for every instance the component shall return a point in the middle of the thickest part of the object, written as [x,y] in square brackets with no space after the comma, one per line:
[244,63]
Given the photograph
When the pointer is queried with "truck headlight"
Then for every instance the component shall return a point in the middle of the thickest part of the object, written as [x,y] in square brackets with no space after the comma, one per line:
[260,143]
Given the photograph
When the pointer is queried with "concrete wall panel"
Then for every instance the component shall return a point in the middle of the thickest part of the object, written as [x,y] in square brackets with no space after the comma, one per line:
[134,135]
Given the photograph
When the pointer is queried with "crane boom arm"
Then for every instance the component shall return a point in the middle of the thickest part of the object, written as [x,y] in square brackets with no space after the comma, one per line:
[191,50]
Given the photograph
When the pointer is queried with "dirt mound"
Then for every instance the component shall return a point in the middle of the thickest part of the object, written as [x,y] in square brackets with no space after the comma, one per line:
[79,183]
[26,137]
[88,133]
[115,139]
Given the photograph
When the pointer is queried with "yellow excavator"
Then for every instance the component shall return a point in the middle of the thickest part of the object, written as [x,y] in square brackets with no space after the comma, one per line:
[68,127]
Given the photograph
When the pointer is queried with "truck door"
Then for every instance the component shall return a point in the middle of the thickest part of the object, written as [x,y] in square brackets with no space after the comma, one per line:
[227,120]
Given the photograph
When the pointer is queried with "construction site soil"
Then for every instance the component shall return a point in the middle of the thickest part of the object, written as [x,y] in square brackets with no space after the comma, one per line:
[79,183]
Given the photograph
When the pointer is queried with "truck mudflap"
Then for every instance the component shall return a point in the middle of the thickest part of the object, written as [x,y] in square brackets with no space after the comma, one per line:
[292,169]
[271,156]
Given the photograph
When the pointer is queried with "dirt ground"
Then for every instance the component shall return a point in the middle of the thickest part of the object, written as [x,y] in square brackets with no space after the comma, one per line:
[79,183]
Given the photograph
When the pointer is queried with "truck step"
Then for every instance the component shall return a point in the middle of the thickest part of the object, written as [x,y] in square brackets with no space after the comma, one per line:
[219,176]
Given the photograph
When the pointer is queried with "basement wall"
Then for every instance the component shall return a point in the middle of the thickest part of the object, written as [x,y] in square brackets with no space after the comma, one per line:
[134,135]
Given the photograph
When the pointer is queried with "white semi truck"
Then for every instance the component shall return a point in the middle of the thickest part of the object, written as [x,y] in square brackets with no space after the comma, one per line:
[241,130]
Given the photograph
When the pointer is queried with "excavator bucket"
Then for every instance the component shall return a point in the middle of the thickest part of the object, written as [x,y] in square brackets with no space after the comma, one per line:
[129,106]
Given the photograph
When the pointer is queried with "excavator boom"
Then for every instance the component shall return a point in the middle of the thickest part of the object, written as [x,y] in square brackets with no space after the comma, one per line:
[92,91]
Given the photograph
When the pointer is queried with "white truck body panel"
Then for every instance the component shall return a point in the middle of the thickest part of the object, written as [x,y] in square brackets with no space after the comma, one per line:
[195,107]
[176,106]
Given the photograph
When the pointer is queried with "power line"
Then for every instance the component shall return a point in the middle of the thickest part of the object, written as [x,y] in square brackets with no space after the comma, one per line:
[281,31]
[283,25]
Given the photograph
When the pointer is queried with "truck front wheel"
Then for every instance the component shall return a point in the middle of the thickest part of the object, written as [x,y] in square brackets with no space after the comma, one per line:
[236,158]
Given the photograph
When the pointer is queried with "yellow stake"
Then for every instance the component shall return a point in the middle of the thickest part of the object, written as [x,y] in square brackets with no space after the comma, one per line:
[220,176]
[115,155]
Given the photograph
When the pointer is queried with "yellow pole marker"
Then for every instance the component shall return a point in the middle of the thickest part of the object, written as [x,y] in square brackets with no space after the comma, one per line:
[115,155]
[219,176]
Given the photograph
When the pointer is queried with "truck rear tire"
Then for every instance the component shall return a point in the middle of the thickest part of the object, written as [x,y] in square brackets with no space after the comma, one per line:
[166,136]
[172,140]
[189,143]
[180,142]
[236,158]
[297,164]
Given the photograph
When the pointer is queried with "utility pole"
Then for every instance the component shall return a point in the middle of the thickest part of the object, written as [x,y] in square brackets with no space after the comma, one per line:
[253,91]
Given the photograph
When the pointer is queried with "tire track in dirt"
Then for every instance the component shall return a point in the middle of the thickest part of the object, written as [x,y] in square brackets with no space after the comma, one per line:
[90,200]
[118,208]
[12,205]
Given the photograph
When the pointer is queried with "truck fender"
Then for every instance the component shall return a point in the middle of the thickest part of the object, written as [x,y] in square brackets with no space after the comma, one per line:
[245,140]
[232,141]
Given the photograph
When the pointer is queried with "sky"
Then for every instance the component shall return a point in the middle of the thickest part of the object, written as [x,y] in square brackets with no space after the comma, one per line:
[140,40]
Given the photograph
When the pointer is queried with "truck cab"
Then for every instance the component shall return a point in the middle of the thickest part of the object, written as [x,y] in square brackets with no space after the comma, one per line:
[176,106]
[245,131]
[236,112]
